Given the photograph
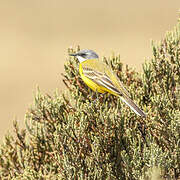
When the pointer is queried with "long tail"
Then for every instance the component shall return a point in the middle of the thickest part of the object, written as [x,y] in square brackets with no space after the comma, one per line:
[133,106]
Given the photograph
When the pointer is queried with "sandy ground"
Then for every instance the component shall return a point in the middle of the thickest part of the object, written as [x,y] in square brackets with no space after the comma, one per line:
[35,35]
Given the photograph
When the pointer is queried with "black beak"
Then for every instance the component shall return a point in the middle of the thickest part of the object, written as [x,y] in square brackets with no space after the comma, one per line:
[73,54]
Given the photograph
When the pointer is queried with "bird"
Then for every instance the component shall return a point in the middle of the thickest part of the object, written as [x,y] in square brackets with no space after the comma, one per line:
[100,78]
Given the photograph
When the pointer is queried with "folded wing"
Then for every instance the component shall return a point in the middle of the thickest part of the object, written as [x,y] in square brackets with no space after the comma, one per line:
[104,77]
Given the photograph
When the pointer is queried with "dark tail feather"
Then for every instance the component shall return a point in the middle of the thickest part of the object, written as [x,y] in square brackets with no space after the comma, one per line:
[133,106]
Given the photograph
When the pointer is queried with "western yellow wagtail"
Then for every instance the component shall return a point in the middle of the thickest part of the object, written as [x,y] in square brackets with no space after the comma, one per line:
[99,77]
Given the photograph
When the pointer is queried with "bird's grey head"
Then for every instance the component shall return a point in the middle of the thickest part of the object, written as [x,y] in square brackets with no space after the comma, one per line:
[85,54]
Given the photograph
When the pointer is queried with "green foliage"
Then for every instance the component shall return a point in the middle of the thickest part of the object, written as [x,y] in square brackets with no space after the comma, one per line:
[86,135]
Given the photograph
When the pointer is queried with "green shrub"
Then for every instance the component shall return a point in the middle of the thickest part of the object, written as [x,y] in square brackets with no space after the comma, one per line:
[85,135]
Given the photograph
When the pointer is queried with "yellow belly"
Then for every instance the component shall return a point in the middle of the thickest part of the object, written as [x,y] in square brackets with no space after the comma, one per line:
[90,83]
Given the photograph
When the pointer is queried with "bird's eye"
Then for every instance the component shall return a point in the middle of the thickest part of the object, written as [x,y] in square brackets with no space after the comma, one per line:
[83,54]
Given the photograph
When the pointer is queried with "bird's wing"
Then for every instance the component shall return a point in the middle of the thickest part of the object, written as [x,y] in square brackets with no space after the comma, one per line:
[100,77]
[101,74]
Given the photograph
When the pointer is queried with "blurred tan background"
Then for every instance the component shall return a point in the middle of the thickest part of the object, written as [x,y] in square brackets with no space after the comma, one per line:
[35,35]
